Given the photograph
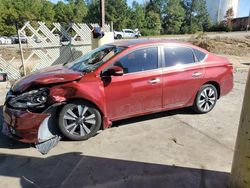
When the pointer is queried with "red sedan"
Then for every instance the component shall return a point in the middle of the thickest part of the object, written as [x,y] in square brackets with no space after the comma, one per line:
[113,82]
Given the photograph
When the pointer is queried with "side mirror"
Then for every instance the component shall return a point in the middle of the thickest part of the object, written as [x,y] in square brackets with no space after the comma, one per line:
[3,77]
[115,71]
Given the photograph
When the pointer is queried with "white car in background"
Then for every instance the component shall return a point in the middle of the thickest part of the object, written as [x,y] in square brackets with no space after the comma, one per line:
[127,33]
[5,40]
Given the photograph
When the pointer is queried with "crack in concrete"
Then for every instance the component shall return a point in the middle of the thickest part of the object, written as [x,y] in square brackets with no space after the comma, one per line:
[31,182]
[213,139]
[72,171]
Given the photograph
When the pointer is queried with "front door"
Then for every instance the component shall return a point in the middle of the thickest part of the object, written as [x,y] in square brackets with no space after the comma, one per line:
[139,90]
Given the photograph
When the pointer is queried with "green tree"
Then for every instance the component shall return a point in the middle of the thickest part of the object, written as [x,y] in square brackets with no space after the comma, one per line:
[156,6]
[174,17]
[93,12]
[64,14]
[197,17]
[152,24]
[79,10]
[117,11]
[47,13]
[229,16]
[137,16]
[17,11]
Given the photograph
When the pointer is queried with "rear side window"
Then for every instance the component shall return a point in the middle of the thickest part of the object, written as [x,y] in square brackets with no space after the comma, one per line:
[178,55]
[199,54]
[139,60]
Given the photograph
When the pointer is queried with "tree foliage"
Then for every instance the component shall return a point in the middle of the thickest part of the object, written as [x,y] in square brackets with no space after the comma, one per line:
[229,16]
[151,17]
[197,18]
[118,12]
[152,24]
[174,17]
[137,16]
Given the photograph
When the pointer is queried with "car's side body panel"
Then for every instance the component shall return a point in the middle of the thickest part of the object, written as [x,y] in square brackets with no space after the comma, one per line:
[218,70]
[133,94]
[180,85]
[129,95]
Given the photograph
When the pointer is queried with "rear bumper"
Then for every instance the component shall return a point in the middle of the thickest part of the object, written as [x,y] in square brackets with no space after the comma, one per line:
[22,125]
[227,85]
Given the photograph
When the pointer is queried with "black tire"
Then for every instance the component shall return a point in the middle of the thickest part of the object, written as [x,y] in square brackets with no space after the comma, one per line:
[119,37]
[206,99]
[85,121]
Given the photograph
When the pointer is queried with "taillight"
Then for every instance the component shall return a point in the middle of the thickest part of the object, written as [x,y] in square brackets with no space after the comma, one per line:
[231,67]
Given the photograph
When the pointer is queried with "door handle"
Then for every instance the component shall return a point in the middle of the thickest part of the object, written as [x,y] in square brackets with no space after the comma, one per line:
[154,81]
[197,74]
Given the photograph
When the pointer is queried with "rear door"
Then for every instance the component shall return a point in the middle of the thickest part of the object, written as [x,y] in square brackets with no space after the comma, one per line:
[182,76]
[139,90]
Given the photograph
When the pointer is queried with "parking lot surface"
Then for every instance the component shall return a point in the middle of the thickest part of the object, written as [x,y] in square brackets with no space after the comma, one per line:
[169,149]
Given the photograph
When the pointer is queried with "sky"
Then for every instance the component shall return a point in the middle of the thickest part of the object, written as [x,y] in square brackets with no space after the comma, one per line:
[243,9]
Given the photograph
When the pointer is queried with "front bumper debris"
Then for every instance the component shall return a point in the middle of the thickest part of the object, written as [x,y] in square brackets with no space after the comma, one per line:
[45,147]
[29,127]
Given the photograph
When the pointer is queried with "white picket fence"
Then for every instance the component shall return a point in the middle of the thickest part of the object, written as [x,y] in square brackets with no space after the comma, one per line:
[51,46]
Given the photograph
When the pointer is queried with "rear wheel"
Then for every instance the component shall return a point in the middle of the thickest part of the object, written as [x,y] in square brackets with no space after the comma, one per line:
[79,120]
[205,99]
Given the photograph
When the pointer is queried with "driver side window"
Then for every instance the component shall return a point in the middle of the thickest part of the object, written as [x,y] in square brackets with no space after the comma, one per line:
[139,60]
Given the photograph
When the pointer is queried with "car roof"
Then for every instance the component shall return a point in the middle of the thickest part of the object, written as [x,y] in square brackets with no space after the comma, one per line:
[147,41]
[142,42]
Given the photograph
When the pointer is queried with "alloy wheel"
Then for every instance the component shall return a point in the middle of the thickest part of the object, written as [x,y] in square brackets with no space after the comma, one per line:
[207,99]
[79,120]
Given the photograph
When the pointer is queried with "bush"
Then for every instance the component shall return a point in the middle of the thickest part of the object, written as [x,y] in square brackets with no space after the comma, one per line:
[219,27]
[149,32]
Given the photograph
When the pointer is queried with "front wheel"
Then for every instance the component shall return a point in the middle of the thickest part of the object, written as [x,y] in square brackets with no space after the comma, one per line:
[79,120]
[119,37]
[205,99]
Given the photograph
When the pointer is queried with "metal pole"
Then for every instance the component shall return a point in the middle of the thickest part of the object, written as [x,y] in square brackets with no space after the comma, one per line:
[21,50]
[102,13]
[111,26]
[219,12]
[240,175]
[248,22]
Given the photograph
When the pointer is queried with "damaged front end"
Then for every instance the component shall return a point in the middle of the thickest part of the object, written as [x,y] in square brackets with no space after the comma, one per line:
[31,117]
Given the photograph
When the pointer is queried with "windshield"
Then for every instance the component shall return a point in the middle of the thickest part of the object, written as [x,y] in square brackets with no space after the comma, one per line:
[94,58]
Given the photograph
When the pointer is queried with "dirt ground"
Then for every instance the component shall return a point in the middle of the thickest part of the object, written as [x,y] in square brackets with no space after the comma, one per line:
[224,45]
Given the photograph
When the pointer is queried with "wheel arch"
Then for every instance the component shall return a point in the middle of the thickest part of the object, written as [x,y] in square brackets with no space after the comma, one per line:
[216,85]
[85,100]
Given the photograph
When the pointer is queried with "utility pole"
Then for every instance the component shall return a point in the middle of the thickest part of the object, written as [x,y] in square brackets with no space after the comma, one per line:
[248,22]
[102,13]
[21,49]
[240,174]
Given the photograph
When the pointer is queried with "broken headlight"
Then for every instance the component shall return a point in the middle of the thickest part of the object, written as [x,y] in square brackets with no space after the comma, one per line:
[31,99]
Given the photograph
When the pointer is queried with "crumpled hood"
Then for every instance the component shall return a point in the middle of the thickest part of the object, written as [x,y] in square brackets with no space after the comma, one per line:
[50,75]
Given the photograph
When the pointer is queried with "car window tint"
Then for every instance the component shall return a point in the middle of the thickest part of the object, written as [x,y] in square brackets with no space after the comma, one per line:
[139,60]
[199,54]
[178,55]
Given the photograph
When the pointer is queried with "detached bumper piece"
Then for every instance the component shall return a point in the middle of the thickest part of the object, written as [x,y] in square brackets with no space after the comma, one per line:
[29,127]
[45,147]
